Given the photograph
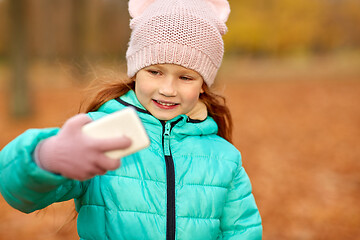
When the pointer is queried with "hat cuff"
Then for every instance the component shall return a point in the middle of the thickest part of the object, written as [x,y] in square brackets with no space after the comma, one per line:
[172,53]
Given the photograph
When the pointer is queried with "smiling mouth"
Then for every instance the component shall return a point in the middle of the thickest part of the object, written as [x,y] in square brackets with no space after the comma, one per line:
[166,104]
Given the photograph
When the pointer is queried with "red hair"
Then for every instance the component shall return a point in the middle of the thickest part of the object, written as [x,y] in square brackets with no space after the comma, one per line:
[102,91]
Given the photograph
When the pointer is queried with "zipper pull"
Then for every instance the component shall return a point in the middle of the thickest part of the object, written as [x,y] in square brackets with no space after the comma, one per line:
[167,129]
[167,139]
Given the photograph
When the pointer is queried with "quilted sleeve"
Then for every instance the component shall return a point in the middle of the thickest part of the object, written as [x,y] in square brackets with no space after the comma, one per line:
[241,218]
[23,184]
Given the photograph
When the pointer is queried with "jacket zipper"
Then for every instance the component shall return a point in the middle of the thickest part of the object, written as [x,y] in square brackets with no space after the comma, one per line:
[170,181]
[170,173]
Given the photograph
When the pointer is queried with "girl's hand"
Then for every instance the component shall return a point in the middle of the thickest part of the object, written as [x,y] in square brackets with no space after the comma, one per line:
[75,155]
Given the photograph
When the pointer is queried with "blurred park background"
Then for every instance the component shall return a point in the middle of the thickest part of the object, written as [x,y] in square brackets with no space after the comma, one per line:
[291,74]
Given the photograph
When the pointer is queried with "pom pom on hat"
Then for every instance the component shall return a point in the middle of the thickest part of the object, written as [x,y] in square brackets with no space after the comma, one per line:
[183,32]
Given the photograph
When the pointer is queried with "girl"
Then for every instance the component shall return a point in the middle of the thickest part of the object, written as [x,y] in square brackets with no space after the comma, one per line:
[189,184]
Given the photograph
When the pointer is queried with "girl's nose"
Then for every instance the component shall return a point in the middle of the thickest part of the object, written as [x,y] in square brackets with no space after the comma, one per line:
[167,87]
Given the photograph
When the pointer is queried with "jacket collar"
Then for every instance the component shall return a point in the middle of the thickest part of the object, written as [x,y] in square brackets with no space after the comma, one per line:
[197,123]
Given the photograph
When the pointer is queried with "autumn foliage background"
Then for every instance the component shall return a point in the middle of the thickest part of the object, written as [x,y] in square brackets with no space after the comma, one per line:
[291,75]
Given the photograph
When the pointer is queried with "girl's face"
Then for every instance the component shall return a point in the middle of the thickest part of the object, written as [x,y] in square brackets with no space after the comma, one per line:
[168,90]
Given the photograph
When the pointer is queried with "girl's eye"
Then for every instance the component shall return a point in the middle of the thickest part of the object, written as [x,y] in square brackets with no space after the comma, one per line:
[185,78]
[153,72]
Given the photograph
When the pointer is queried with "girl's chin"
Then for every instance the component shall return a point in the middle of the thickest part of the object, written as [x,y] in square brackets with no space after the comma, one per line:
[164,115]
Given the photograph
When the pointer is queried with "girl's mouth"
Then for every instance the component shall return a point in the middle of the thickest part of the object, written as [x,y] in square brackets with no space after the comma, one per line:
[165,105]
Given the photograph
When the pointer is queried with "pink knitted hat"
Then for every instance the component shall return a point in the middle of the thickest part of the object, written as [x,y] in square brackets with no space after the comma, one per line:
[183,32]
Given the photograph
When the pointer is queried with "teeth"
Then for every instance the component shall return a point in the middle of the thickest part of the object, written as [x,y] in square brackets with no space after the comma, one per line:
[166,104]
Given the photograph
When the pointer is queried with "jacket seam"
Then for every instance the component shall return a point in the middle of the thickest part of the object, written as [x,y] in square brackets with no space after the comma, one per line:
[202,185]
[242,198]
[218,158]
[140,179]
[133,211]
[191,217]
[8,164]
[121,210]
[245,229]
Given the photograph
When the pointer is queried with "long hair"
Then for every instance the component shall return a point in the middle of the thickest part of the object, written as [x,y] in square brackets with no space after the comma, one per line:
[104,90]
[219,111]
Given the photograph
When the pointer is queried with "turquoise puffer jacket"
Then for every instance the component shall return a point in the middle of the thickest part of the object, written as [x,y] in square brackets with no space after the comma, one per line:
[189,184]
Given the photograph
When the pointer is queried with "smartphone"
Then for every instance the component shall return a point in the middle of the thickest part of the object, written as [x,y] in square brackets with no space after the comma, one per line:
[125,122]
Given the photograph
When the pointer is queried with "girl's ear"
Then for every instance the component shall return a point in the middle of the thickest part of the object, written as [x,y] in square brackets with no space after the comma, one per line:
[137,7]
[202,88]
[221,8]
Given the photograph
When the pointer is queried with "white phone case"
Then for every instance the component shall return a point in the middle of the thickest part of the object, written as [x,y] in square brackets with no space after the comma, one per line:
[121,123]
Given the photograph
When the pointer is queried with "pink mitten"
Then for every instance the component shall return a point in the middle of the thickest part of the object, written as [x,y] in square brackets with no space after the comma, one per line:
[75,155]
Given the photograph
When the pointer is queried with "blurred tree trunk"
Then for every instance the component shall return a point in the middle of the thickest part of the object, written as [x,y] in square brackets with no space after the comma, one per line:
[92,28]
[20,99]
[48,9]
[79,38]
